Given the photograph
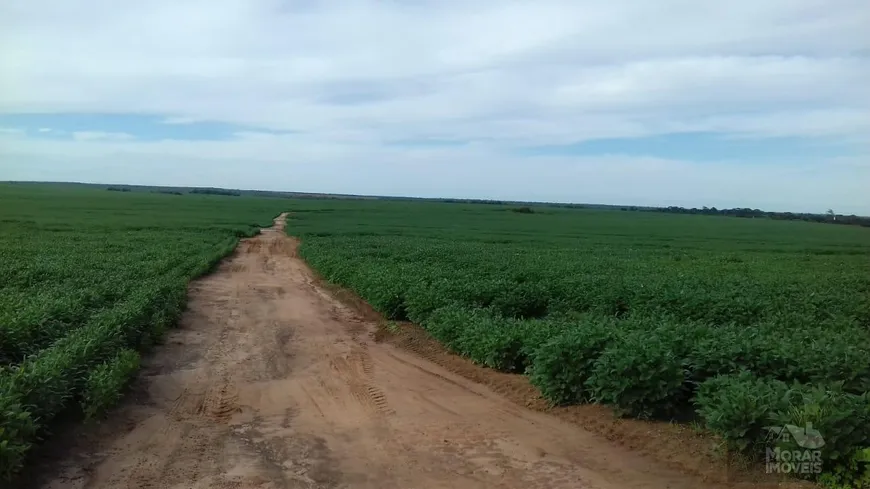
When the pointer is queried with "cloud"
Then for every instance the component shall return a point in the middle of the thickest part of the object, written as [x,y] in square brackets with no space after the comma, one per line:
[11,132]
[97,135]
[360,83]
[179,120]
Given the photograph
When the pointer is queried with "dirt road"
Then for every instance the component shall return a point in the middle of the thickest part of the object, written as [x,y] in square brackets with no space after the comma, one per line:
[270,382]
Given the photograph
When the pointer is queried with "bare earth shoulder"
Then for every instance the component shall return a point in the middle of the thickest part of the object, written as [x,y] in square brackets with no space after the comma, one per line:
[271,382]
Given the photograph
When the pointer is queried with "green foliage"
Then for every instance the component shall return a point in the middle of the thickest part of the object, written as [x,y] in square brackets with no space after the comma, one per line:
[646,311]
[642,374]
[807,354]
[561,366]
[105,383]
[692,300]
[447,324]
[88,278]
[843,419]
[385,294]
[727,349]
[490,339]
[739,406]
[485,338]
[17,431]
[852,473]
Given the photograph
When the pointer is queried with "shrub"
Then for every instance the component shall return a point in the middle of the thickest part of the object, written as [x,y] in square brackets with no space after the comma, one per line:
[726,350]
[845,358]
[446,325]
[386,295]
[492,341]
[805,354]
[424,298]
[739,406]
[489,339]
[561,366]
[536,333]
[843,420]
[642,374]
[525,300]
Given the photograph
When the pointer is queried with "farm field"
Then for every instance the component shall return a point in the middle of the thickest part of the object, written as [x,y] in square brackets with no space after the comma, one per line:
[90,278]
[736,324]
[730,324]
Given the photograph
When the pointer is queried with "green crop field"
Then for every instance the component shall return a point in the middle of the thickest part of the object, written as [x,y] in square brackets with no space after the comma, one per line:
[87,279]
[737,323]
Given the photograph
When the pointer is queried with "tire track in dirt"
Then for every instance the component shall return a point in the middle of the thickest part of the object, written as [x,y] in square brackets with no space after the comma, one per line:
[271,382]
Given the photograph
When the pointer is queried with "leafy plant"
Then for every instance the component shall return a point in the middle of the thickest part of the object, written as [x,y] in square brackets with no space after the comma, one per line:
[740,406]
[843,419]
[17,433]
[641,375]
[492,341]
[106,383]
[852,473]
[561,366]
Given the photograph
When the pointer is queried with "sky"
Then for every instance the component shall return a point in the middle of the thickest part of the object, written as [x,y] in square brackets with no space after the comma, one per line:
[746,103]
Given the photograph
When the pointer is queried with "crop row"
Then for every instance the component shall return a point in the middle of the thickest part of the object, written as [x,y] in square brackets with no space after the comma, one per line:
[664,332]
[87,366]
[45,298]
[89,281]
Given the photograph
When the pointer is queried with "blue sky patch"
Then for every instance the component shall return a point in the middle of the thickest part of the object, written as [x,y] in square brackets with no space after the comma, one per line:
[702,146]
[141,127]
[427,143]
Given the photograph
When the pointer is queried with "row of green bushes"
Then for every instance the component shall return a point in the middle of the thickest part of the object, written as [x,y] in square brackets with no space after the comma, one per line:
[742,408]
[82,369]
[697,351]
[645,348]
[633,310]
[398,277]
[84,372]
[668,370]
[65,283]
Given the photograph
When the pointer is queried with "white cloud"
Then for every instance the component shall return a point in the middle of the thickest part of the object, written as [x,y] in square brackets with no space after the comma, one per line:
[179,120]
[99,135]
[11,132]
[350,76]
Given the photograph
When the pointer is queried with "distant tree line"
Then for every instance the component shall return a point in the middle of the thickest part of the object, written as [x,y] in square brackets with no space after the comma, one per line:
[505,202]
[829,217]
[523,210]
[216,191]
